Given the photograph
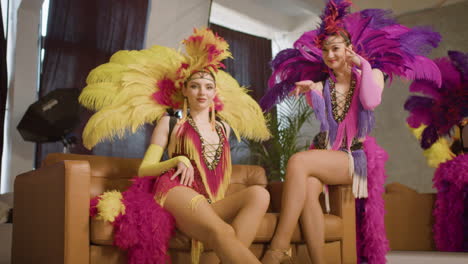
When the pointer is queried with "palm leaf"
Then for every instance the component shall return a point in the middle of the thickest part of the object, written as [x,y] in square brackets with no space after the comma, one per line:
[274,154]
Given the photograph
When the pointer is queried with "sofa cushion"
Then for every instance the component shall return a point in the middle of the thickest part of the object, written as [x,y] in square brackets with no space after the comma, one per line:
[101,232]
[99,185]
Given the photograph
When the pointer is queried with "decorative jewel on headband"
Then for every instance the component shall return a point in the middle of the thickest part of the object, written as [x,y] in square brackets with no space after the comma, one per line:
[202,75]
[329,42]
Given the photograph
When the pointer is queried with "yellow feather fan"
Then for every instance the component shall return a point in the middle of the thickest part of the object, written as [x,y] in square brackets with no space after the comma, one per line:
[439,152]
[137,87]
[106,80]
[240,111]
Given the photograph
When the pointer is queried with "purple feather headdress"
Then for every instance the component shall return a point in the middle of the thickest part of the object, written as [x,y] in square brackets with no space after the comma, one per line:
[440,108]
[374,34]
[332,20]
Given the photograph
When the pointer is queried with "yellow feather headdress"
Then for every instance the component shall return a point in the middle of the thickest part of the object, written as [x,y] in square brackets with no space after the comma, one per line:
[137,87]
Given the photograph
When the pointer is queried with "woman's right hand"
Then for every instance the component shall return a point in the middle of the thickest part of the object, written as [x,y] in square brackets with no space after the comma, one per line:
[186,174]
[304,87]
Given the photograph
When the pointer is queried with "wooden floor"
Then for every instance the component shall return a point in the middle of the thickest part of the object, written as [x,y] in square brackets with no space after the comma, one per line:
[426,257]
[5,243]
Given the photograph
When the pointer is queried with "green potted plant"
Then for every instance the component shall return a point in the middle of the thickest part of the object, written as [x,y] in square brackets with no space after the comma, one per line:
[285,125]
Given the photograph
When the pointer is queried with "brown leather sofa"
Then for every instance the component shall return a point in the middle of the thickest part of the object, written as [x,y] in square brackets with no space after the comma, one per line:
[408,218]
[52,225]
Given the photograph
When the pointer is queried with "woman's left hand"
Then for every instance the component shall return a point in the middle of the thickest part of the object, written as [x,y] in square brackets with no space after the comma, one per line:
[352,57]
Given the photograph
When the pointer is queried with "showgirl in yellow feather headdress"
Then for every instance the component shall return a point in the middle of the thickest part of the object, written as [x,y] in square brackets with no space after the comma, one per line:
[138,87]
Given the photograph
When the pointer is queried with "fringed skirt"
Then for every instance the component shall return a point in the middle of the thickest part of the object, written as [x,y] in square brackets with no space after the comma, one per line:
[163,184]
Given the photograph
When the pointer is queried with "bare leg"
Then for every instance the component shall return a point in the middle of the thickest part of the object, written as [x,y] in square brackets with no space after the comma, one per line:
[330,167]
[245,211]
[205,225]
[312,221]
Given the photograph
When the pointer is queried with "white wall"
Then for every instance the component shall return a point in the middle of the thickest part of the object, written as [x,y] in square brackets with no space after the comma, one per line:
[19,154]
[248,17]
[172,21]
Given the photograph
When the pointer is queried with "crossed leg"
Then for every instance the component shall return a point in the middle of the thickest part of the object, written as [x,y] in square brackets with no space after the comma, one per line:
[244,210]
[305,173]
[206,223]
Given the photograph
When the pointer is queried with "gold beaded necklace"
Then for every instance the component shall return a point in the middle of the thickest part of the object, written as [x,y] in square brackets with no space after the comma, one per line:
[347,97]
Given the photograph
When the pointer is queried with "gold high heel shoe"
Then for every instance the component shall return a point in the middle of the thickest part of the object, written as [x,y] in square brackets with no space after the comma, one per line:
[281,255]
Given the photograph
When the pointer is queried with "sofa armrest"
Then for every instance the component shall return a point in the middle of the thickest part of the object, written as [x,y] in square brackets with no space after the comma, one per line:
[51,214]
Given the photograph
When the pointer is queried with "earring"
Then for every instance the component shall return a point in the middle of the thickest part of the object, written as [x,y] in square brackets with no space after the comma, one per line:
[213,115]
[184,111]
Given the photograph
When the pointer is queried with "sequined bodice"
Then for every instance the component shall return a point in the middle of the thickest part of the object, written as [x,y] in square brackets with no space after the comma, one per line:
[211,152]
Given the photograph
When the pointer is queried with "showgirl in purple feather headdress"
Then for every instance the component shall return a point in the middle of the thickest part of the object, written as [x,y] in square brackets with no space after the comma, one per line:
[341,68]
[438,117]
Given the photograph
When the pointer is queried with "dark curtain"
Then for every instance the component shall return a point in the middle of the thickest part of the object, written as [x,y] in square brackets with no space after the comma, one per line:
[82,34]
[251,68]
[251,63]
[3,82]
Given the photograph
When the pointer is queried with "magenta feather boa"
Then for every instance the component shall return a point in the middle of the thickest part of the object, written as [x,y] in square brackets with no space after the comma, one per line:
[372,243]
[450,212]
[145,229]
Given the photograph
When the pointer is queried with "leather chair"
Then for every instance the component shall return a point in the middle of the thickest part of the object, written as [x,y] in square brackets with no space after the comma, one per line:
[408,218]
[52,224]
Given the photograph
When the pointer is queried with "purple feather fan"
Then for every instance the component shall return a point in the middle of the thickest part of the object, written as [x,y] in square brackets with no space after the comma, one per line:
[420,40]
[460,60]
[440,108]
[289,67]
[429,137]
